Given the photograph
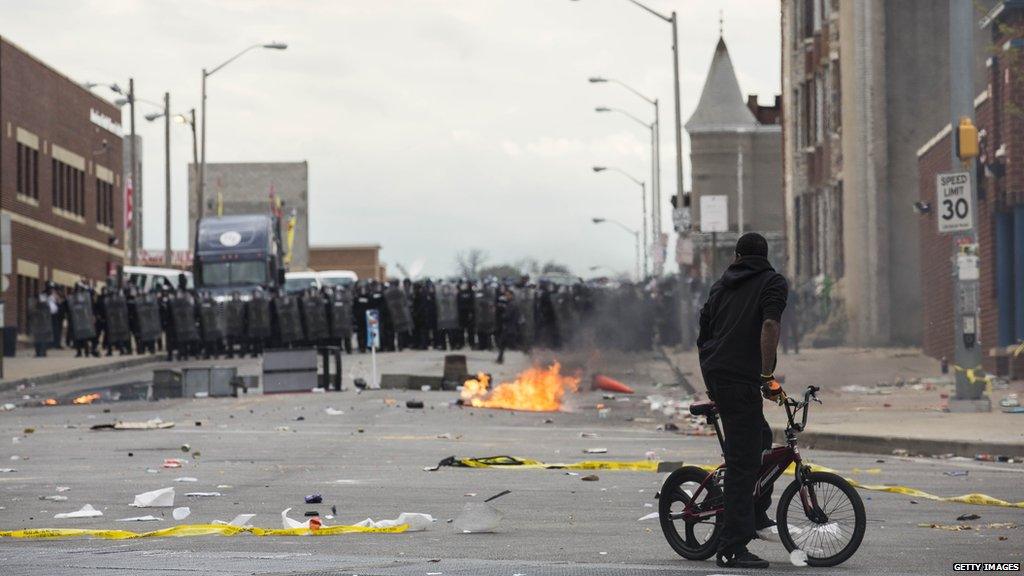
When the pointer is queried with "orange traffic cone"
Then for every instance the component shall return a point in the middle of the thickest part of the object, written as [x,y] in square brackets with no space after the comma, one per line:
[607,384]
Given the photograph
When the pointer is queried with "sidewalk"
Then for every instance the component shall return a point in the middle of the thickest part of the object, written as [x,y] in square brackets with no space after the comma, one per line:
[60,364]
[882,399]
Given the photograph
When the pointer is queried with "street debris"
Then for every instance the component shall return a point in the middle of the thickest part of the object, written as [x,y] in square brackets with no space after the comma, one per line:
[181,512]
[56,498]
[185,448]
[957,473]
[174,462]
[240,521]
[477,517]
[86,511]
[595,451]
[162,498]
[139,519]
[651,516]
[866,471]
[7,470]
[282,429]
[8,407]
[590,478]
[900,452]
[63,488]
[154,424]
[1010,401]
[416,522]
[202,494]
[588,435]
[798,557]
[414,404]
[186,479]
[333,411]
[964,527]
[314,499]
[287,522]
[967,517]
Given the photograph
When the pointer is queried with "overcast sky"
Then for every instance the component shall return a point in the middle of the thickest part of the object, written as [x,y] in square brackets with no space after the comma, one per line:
[430,126]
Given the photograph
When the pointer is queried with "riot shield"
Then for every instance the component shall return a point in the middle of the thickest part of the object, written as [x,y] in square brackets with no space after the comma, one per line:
[484,310]
[145,318]
[211,320]
[80,316]
[314,316]
[115,308]
[340,315]
[398,308]
[288,326]
[183,319]
[40,321]
[234,319]
[257,317]
[525,303]
[447,303]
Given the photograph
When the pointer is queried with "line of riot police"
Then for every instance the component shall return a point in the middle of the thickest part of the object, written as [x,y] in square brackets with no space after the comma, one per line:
[426,314]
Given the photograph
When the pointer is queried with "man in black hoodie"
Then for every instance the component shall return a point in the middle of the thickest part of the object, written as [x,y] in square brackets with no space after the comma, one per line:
[739,334]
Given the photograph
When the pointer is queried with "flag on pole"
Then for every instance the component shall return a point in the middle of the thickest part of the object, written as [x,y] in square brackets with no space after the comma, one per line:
[291,235]
[129,203]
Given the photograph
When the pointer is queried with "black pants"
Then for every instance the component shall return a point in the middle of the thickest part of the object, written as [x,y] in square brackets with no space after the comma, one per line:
[747,435]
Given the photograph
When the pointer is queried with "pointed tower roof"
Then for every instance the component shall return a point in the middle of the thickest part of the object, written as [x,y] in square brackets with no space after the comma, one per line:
[721,107]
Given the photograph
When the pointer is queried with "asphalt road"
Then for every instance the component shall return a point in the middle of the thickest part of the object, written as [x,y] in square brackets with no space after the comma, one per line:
[368,462]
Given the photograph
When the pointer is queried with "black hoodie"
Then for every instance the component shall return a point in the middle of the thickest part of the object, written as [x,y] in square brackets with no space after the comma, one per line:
[749,292]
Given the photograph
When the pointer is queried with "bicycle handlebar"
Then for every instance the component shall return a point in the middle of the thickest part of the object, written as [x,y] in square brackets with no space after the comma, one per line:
[794,406]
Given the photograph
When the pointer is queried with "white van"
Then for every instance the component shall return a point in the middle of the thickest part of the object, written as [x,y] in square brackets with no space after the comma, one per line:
[332,278]
[147,278]
[295,282]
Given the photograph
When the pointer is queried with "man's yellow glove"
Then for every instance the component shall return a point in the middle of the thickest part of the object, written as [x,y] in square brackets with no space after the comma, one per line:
[772,390]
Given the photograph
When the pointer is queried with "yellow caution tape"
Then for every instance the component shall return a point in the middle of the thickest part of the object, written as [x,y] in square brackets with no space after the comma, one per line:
[187,530]
[653,466]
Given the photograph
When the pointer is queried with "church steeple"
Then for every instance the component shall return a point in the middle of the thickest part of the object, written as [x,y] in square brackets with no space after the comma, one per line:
[721,107]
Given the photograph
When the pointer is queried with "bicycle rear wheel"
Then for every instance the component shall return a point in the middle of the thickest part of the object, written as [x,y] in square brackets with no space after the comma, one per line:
[832,531]
[692,539]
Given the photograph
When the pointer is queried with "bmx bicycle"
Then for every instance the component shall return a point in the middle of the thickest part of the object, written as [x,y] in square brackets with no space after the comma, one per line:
[826,521]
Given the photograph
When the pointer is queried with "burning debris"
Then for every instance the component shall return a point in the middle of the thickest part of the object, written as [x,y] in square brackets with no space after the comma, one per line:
[536,389]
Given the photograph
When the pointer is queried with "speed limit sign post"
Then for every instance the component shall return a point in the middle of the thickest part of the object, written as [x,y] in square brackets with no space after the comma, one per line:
[954,202]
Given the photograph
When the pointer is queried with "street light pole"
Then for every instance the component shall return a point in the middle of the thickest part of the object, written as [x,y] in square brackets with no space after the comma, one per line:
[636,237]
[167,179]
[207,74]
[643,209]
[136,188]
[671,19]
[655,129]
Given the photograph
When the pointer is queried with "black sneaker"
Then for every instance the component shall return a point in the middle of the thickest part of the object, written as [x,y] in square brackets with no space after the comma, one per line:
[741,559]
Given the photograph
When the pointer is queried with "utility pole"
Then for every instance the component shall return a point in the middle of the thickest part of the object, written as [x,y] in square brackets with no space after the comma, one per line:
[739,187]
[965,286]
[167,179]
[643,220]
[656,184]
[202,164]
[136,183]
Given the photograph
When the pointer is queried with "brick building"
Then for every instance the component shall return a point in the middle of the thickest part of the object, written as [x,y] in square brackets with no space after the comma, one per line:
[999,115]
[864,85]
[60,179]
[363,259]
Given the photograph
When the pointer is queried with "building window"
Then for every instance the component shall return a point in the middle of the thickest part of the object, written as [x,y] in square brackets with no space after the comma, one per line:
[28,171]
[68,188]
[104,203]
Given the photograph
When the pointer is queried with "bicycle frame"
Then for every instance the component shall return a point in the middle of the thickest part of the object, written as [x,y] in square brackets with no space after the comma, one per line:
[774,463]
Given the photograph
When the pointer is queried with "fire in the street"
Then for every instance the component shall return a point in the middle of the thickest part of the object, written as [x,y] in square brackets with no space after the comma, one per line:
[50,402]
[86,398]
[536,389]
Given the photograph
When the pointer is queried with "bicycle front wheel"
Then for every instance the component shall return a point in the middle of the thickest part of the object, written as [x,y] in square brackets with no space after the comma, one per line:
[831,530]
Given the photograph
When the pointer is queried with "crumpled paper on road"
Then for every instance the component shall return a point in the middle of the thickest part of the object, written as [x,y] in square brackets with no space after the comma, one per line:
[416,522]
[162,498]
[86,511]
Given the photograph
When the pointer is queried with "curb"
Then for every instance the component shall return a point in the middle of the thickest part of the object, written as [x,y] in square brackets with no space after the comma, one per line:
[7,385]
[884,445]
[680,377]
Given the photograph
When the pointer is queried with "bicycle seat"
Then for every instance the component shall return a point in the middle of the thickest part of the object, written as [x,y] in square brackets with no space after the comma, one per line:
[705,408]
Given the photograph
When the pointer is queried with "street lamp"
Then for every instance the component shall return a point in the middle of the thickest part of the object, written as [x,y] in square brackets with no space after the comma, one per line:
[643,204]
[207,74]
[636,237]
[166,115]
[655,128]
[129,99]
[190,119]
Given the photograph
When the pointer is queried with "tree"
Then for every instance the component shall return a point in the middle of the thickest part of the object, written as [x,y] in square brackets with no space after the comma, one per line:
[470,262]
[500,271]
[552,267]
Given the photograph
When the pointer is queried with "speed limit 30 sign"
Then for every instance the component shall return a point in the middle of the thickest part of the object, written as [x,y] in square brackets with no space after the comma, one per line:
[954,200]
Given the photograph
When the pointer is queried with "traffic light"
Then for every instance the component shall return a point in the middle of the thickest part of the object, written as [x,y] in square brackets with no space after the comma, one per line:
[966,139]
